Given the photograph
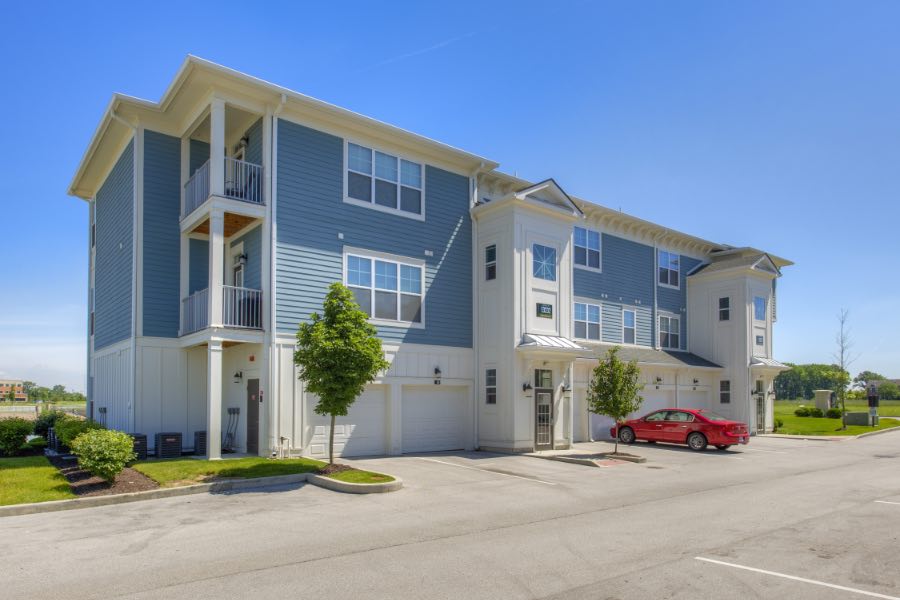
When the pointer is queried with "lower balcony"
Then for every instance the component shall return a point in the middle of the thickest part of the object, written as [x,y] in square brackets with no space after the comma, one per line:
[241,309]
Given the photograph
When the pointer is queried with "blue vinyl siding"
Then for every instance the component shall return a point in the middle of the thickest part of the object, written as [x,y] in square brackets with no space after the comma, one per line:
[198,262]
[114,253]
[253,249]
[161,239]
[254,144]
[199,155]
[311,214]
[669,300]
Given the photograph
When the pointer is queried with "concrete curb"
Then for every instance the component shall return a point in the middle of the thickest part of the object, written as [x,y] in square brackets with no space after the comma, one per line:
[215,487]
[355,488]
[879,432]
[828,438]
[589,461]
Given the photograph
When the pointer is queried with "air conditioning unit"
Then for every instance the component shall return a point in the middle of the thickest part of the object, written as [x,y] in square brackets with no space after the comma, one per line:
[200,443]
[139,445]
[168,444]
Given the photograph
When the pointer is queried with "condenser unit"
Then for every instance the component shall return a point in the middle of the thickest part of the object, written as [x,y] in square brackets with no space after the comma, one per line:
[139,445]
[168,445]
[200,443]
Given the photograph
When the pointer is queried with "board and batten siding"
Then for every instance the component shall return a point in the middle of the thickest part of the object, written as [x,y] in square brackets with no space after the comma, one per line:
[161,239]
[311,213]
[252,241]
[114,251]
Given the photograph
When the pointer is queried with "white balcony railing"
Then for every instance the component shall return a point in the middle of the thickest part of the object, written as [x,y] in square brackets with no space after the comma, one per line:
[195,312]
[243,181]
[241,307]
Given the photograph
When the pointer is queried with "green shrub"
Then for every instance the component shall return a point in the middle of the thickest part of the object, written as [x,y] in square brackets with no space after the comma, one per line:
[833,413]
[46,420]
[803,411]
[778,424]
[103,452]
[68,428]
[13,433]
[816,412]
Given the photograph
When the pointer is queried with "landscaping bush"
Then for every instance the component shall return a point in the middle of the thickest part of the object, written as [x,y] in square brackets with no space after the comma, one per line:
[778,424]
[46,420]
[803,411]
[13,433]
[37,443]
[68,428]
[103,452]
[833,413]
[816,412]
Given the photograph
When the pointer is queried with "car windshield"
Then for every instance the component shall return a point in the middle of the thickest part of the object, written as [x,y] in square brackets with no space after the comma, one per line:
[713,416]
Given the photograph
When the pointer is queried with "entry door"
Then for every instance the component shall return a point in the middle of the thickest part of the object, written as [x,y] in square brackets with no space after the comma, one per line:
[253,416]
[760,406]
[543,419]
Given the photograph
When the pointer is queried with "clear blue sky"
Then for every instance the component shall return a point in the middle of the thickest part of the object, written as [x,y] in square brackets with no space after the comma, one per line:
[775,125]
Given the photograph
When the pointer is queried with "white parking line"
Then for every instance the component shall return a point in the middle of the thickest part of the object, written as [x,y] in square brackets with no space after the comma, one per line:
[800,579]
[887,502]
[761,450]
[444,462]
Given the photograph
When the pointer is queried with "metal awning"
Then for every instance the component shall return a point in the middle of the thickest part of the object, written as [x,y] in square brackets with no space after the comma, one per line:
[532,342]
[767,363]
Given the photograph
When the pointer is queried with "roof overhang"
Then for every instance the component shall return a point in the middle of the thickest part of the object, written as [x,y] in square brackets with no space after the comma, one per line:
[550,345]
[758,363]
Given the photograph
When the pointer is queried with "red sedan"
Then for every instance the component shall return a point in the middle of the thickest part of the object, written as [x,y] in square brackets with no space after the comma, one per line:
[696,428]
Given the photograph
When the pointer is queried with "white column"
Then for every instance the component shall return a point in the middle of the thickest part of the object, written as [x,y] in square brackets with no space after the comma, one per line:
[217,147]
[184,286]
[214,400]
[216,266]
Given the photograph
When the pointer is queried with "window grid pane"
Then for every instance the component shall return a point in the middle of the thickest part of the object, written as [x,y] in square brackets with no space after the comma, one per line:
[411,174]
[360,159]
[544,262]
[385,166]
[410,279]
[385,275]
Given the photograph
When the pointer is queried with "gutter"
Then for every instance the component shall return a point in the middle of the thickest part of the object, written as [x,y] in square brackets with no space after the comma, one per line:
[274,355]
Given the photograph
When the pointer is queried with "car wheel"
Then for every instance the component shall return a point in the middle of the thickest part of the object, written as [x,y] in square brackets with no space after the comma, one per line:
[696,441]
[626,435]
[723,447]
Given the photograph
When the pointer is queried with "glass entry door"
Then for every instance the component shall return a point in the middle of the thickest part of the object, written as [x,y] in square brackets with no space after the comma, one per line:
[760,406]
[543,409]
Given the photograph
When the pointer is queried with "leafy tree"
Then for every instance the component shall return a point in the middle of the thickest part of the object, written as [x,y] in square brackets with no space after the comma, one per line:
[866,377]
[888,390]
[339,354]
[613,390]
[27,387]
[11,394]
[801,380]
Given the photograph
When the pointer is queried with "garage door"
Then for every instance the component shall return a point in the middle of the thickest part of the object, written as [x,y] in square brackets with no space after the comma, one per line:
[363,432]
[434,418]
[653,400]
[692,399]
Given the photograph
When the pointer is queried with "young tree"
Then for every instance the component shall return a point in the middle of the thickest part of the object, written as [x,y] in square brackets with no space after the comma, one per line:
[613,390]
[844,359]
[11,394]
[338,353]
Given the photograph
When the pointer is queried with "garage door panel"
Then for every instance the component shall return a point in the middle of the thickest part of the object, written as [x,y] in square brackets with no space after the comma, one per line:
[433,419]
[653,400]
[363,432]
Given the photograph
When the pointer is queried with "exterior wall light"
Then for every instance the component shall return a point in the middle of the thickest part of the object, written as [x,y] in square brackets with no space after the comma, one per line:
[526,387]
[238,376]
[437,376]
[696,381]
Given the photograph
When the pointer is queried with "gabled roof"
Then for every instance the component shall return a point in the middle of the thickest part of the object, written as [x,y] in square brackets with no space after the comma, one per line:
[728,262]
[550,192]
[652,357]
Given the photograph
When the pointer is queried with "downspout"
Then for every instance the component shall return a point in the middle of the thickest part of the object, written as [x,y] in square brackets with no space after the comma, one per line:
[476,271]
[654,327]
[274,355]
[134,253]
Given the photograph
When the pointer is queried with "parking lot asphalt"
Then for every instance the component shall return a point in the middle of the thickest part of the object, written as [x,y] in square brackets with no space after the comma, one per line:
[776,519]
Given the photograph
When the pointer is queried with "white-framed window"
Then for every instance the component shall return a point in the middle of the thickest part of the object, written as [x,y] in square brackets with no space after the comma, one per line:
[386,289]
[669,269]
[759,308]
[384,181]
[587,321]
[490,262]
[669,332]
[587,248]
[490,386]
[543,261]
[628,327]
[725,308]
[725,392]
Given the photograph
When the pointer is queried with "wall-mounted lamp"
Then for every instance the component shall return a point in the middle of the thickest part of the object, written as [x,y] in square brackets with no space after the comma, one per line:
[526,387]
[437,376]
[658,379]
[696,381]
[245,141]
[238,376]
[567,388]
[242,259]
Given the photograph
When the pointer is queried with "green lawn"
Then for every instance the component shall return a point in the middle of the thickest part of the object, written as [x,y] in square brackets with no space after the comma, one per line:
[185,471]
[793,425]
[356,476]
[31,479]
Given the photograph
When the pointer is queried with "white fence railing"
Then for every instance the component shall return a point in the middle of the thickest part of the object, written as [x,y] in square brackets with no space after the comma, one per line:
[243,181]
[195,312]
[196,190]
[241,307]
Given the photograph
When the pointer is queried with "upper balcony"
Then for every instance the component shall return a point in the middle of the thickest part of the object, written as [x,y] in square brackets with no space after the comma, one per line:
[242,181]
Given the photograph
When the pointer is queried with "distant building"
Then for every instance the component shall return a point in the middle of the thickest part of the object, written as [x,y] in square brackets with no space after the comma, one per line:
[13,384]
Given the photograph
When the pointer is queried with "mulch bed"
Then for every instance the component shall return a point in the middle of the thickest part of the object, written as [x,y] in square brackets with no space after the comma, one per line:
[85,484]
[335,468]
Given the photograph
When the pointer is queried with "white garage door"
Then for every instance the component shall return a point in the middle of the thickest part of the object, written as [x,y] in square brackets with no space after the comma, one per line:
[692,399]
[653,400]
[363,432]
[434,418]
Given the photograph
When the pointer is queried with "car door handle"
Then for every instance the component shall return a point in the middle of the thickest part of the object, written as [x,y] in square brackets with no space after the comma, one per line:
[684,426]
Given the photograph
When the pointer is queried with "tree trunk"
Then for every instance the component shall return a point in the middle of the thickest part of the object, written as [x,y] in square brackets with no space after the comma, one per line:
[616,451]
[331,442]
